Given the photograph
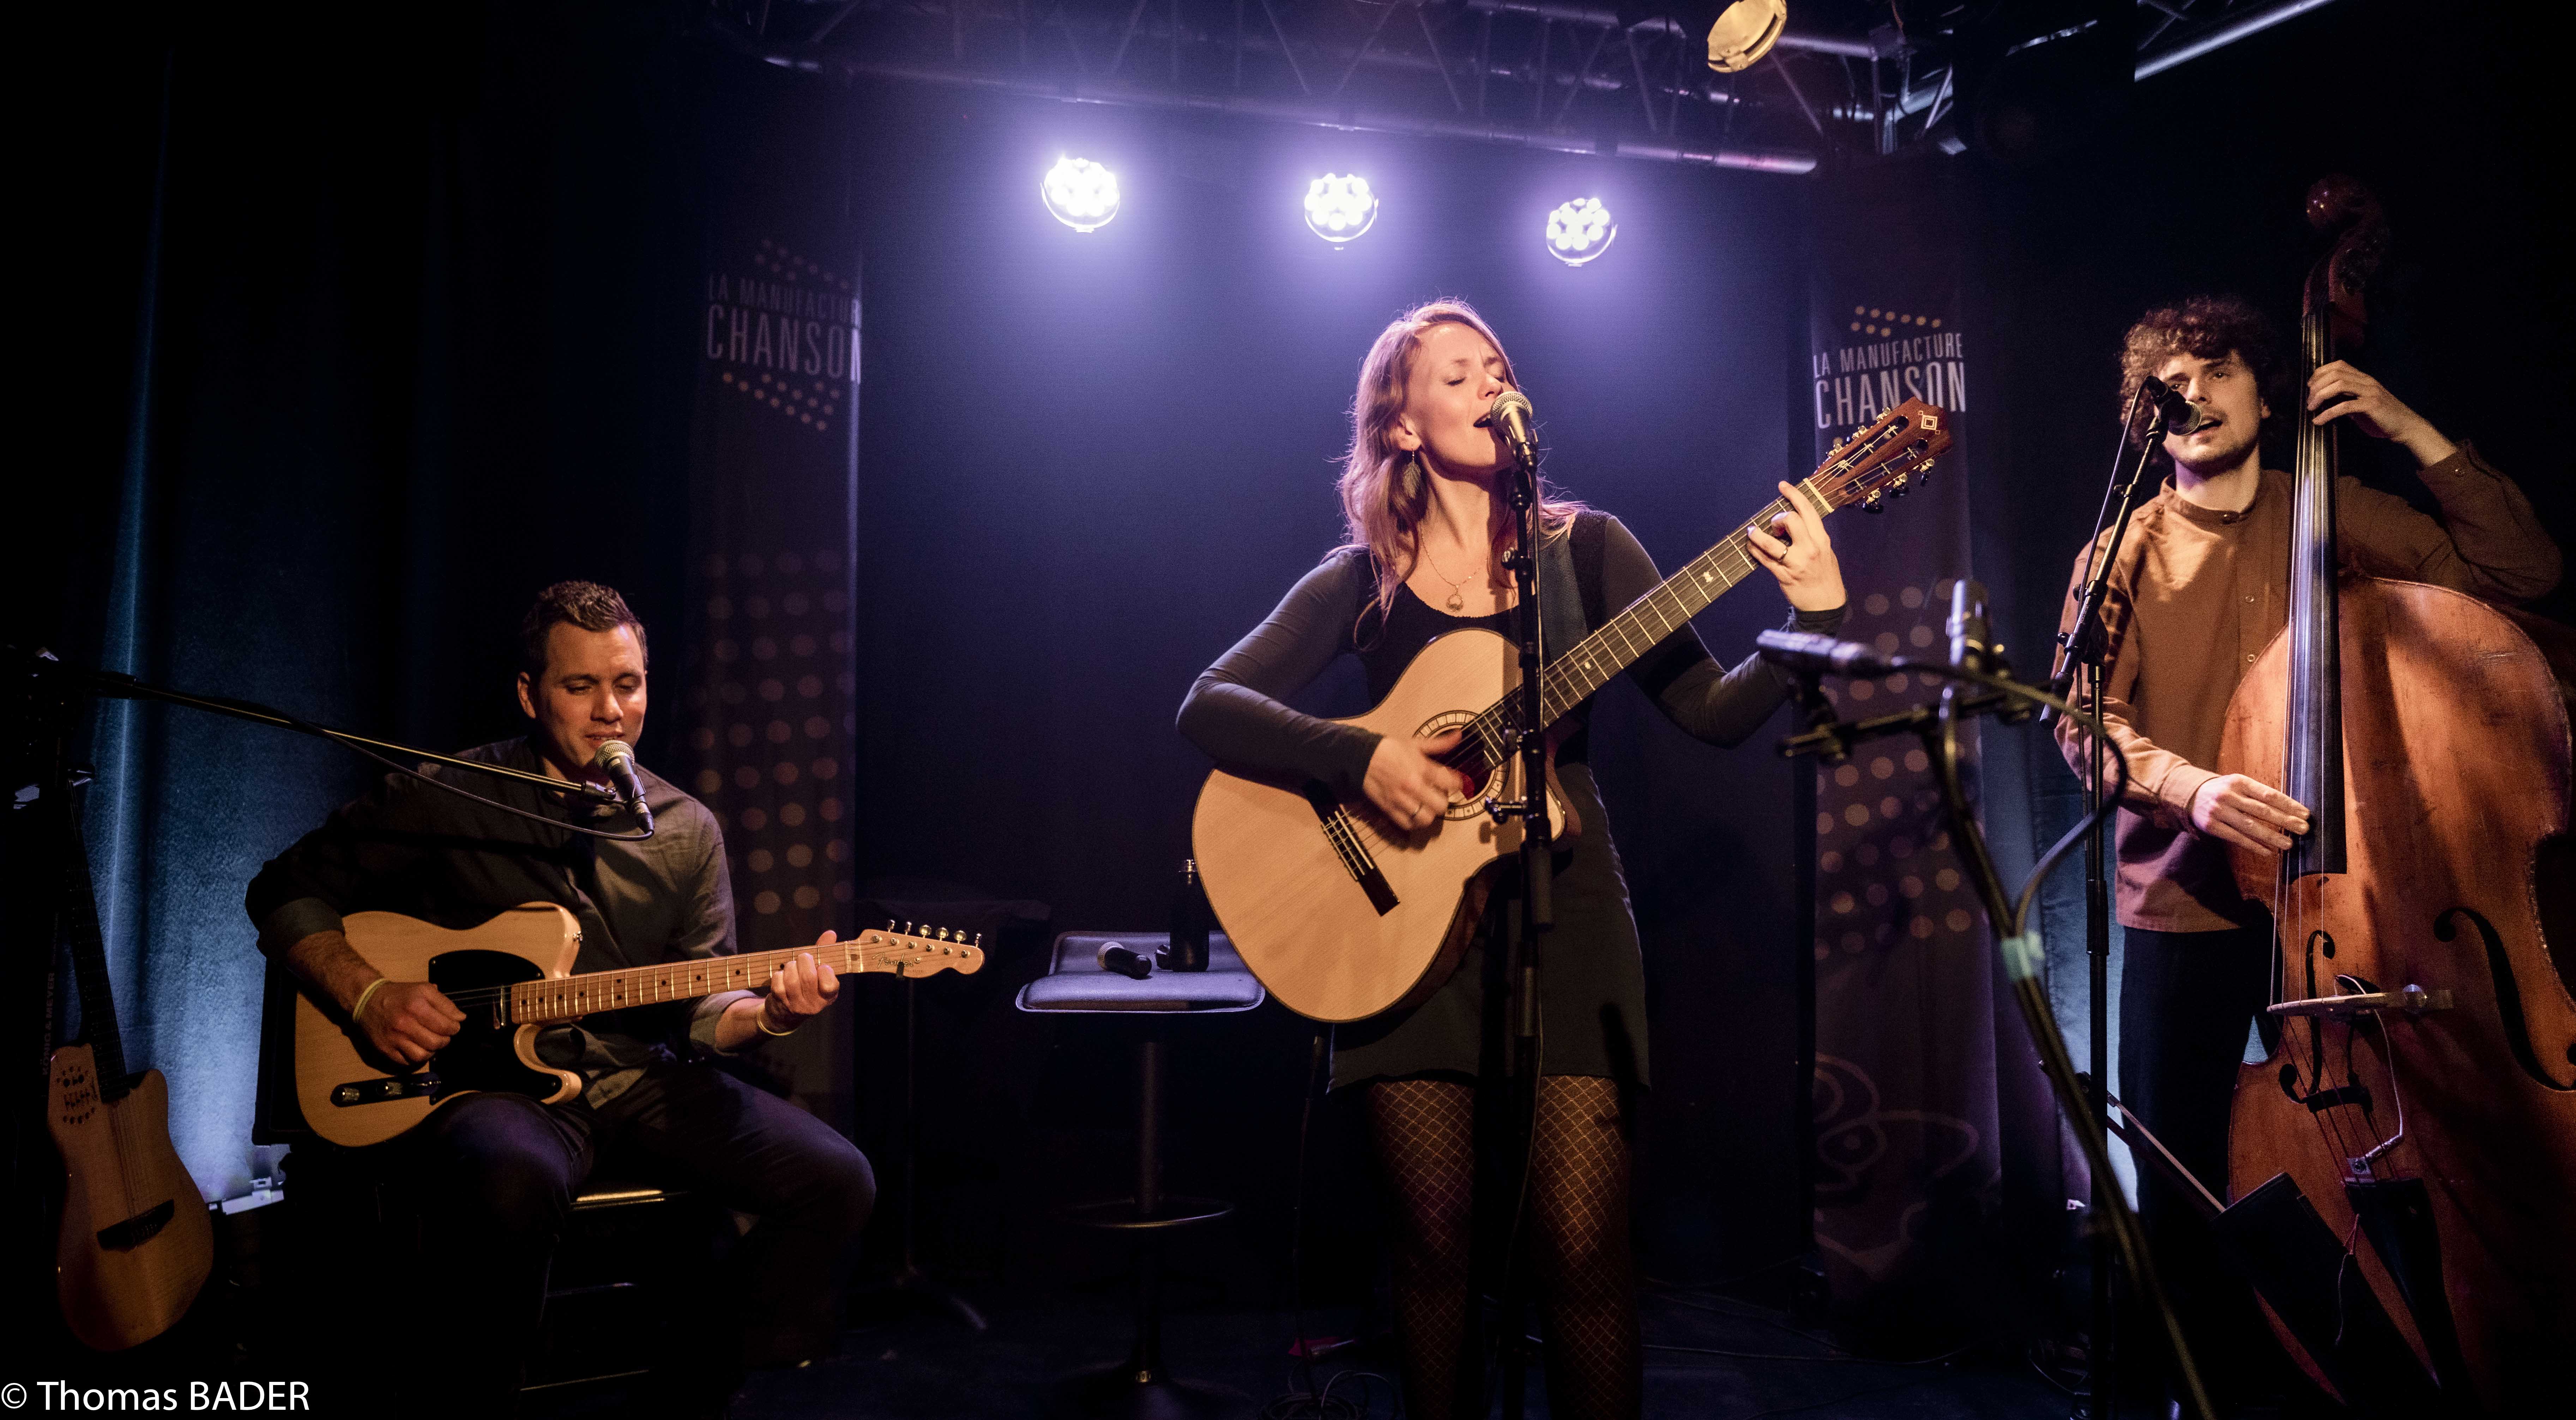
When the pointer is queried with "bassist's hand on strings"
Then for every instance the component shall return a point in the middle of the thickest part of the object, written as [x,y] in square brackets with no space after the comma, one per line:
[1406,782]
[1797,552]
[2247,812]
[2338,391]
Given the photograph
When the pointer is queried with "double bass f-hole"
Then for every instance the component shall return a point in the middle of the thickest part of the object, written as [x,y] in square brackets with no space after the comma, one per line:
[2517,1025]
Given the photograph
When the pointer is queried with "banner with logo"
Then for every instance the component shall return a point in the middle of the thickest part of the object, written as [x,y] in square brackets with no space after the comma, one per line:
[773,534]
[1909,1166]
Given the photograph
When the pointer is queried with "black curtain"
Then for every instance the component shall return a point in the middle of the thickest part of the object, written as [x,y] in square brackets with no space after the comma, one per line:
[394,339]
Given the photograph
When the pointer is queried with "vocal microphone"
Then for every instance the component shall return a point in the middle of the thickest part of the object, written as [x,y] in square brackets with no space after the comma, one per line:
[1971,641]
[1510,416]
[1126,961]
[1824,655]
[616,759]
[1973,646]
[2181,415]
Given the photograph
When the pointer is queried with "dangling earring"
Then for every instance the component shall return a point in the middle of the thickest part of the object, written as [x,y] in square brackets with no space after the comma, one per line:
[1413,476]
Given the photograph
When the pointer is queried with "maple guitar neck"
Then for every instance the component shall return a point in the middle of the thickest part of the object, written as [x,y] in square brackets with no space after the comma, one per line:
[567,997]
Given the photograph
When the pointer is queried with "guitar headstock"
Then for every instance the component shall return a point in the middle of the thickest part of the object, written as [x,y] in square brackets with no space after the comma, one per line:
[1889,454]
[919,950]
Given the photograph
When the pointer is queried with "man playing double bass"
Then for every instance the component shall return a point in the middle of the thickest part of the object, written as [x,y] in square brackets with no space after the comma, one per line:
[2199,589]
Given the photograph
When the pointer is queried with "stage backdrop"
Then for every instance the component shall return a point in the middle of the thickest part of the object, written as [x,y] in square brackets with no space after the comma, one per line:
[1916,1050]
[773,547]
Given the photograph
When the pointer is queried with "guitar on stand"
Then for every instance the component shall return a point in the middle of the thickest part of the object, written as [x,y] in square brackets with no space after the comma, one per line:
[1341,914]
[134,1245]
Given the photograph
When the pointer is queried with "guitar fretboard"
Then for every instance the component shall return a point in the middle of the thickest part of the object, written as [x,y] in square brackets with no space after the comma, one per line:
[562,999]
[1575,673]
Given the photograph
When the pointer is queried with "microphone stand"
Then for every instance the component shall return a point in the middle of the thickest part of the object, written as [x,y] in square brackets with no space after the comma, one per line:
[40,667]
[2081,646]
[1537,914]
[1937,727]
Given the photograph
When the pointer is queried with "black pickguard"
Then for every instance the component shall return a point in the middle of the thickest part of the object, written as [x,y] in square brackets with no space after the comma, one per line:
[480,1057]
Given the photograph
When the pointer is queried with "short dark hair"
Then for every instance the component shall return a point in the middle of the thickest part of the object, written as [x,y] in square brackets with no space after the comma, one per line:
[587,605]
[2207,327]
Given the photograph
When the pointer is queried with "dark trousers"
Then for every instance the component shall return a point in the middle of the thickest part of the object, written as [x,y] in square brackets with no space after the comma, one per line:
[496,1173]
[2186,1001]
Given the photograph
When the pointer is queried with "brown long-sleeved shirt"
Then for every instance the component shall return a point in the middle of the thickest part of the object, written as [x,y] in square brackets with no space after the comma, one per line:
[2198,594]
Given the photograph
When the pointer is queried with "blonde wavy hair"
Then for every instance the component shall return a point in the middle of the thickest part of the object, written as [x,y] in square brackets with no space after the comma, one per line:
[1385,493]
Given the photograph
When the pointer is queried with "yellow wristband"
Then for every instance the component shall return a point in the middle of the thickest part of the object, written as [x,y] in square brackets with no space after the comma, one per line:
[762,1021]
[372,987]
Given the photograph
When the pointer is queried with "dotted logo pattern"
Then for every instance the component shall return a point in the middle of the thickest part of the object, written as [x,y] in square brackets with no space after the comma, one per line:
[774,705]
[1886,872]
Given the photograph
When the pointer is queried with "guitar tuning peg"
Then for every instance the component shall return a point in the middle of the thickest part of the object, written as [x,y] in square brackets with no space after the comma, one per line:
[979,941]
[1874,503]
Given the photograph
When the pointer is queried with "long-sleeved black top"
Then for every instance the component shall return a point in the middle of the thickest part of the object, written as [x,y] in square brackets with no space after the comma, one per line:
[1237,715]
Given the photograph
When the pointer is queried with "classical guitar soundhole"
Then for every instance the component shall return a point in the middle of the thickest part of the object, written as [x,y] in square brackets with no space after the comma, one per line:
[1468,758]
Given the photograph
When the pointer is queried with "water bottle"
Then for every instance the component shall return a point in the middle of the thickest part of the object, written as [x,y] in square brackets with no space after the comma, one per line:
[1191,919]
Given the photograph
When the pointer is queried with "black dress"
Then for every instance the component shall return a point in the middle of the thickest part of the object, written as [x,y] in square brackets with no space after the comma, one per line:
[1593,1011]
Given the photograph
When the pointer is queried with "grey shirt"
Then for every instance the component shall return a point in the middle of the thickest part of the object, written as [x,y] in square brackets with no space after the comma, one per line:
[412,848]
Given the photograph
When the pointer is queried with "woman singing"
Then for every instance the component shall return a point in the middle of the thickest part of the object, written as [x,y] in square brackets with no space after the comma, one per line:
[1429,530]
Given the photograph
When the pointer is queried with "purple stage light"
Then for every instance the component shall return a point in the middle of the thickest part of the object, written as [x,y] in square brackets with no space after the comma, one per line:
[1080,193]
[1580,230]
[1340,209]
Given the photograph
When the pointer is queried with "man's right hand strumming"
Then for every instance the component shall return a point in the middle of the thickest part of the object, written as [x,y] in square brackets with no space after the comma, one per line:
[2248,813]
[404,1021]
[1410,787]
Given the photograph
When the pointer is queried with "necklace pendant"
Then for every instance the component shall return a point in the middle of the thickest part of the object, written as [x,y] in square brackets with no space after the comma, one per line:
[1457,601]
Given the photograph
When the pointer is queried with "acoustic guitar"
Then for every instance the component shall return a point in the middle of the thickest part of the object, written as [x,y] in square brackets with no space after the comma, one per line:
[135,1244]
[1342,914]
[510,978]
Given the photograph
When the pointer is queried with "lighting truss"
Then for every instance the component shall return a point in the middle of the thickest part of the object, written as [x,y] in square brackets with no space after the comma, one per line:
[1848,80]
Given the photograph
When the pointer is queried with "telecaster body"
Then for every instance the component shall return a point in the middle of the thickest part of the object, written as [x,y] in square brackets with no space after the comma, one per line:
[352,1096]
[510,976]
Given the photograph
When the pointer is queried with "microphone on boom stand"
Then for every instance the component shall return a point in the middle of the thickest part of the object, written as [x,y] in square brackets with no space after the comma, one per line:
[1510,417]
[616,759]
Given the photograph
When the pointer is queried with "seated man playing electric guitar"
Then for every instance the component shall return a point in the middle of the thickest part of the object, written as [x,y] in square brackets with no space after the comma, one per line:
[498,1171]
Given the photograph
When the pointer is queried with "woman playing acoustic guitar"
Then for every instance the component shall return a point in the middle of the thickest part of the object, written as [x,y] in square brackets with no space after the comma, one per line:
[1428,535]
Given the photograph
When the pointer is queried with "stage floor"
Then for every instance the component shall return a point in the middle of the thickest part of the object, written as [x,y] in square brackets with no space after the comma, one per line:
[927,1366]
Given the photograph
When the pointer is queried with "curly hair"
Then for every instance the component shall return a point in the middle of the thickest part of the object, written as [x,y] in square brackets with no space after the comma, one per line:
[587,605]
[2208,327]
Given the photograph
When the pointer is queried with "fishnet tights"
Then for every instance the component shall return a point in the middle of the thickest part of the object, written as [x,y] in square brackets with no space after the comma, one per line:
[1425,1136]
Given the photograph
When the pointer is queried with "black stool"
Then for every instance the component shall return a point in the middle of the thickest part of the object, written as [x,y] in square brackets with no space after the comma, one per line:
[1074,983]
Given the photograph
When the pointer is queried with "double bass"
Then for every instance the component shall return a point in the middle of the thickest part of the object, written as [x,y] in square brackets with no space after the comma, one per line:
[2404,1163]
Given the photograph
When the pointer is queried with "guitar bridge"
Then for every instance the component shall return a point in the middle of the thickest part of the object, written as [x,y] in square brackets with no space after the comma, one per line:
[1356,859]
[142,1228]
[385,1089]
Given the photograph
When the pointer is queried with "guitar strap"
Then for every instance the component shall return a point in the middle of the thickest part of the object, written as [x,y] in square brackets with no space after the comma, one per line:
[1569,585]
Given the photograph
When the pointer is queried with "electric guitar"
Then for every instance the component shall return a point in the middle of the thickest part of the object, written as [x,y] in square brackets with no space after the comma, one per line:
[1340,913]
[509,977]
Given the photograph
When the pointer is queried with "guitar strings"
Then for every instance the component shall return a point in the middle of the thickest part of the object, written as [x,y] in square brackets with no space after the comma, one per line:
[853,957]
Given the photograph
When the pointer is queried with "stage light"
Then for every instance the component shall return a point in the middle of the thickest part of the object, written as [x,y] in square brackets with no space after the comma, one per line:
[1744,33]
[1580,230]
[1340,209]
[1080,193]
